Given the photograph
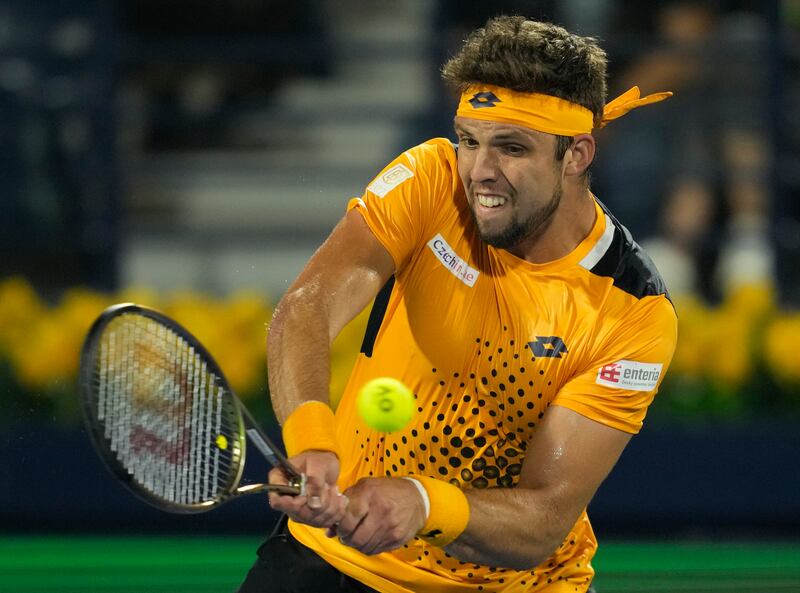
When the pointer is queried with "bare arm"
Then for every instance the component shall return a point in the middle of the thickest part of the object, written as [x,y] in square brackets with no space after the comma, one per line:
[567,459]
[342,277]
[338,282]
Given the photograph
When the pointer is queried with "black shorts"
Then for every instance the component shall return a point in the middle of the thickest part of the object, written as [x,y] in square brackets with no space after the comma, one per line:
[284,565]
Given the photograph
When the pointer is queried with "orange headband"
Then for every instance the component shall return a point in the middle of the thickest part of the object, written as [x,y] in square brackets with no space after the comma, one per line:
[545,113]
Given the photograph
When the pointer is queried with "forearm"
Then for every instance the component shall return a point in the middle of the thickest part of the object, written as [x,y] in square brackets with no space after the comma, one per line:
[340,280]
[511,528]
[566,460]
[298,350]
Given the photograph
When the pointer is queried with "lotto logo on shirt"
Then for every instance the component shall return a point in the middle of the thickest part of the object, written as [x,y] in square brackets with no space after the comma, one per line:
[390,179]
[457,266]
[629,374]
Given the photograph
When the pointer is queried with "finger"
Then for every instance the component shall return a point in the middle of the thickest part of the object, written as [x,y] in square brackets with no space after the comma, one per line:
[355,512]
[374,536]
[299,510]
[317,485]
[316,489]
[332,529]
[276,476]
[366,536]
[277,500]
[382,542]
[285,503]
[334,512]
[372,546]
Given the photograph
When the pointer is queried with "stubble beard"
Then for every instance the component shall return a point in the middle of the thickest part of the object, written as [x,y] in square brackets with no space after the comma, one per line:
[517,231]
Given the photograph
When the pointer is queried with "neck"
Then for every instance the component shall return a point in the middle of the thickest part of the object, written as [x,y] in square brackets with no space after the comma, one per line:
[570,225]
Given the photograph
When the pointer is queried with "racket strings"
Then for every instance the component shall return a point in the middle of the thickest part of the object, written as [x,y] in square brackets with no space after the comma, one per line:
[165,415]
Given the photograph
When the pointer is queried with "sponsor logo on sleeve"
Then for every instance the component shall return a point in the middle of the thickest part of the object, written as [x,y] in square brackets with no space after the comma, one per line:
[629,374]
[457,266]
[390,179]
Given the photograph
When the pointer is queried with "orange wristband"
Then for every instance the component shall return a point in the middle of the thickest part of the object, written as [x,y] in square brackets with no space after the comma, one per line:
[311,425]
[449,513]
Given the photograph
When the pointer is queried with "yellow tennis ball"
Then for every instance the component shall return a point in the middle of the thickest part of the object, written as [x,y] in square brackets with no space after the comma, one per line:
[385,404]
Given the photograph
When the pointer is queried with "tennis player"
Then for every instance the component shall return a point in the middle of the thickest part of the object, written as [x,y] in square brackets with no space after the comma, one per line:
[531,328]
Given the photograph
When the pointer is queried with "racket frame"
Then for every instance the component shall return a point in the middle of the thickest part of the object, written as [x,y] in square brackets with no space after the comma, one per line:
[247,424]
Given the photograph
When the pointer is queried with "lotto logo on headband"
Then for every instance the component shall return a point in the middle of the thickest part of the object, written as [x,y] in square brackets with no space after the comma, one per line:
[545,113]
[484,99]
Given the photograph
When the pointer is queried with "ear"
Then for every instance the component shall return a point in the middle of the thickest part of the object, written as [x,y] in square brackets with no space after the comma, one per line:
[579,155]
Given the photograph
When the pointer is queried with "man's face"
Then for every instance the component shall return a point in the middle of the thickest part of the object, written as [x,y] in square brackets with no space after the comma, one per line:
[512,180]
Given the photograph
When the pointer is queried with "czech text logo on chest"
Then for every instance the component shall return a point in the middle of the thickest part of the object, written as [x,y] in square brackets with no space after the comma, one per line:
[457,266]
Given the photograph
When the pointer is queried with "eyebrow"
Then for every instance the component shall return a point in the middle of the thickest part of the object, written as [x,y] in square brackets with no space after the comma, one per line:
[516,136]
[513,135]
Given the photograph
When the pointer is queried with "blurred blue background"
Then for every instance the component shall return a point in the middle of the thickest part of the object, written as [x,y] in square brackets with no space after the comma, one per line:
[208,147]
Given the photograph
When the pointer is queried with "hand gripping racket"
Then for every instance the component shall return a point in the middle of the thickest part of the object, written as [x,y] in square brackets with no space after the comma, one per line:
[162,417]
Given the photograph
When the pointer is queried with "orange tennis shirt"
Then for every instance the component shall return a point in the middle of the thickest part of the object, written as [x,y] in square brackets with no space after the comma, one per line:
[487,342]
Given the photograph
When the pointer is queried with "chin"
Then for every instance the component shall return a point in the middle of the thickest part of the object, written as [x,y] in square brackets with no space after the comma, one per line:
[495,239]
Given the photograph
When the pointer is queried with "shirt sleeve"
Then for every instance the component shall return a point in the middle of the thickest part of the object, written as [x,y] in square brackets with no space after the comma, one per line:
[623,377]
[400,204]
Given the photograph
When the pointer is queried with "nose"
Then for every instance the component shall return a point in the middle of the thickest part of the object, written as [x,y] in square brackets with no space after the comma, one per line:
[485,166]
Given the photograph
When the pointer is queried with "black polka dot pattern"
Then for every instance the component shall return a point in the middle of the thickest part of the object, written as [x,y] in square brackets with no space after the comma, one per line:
[472,432]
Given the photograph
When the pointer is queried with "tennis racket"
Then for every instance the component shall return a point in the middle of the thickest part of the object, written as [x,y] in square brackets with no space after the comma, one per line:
[162,416]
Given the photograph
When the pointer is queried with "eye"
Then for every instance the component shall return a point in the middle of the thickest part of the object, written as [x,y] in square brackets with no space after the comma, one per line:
[514,149]
[467,142]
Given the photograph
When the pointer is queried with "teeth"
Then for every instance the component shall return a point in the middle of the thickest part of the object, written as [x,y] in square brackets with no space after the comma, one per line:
[490,201]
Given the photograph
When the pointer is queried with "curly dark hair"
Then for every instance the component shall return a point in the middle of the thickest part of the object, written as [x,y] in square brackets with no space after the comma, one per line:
[530,56]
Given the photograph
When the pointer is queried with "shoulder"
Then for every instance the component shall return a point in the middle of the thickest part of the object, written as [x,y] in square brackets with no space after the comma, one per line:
[435,152]
[626,263]
[432,165]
